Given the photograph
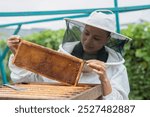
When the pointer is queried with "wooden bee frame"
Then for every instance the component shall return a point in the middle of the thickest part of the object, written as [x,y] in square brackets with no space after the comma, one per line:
[49,63]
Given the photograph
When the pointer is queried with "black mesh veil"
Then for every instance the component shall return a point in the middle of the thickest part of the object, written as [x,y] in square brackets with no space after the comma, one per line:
[74,31]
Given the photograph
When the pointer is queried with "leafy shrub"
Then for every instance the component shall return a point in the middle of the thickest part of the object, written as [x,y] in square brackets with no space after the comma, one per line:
[47,38]
[5,62]
[138,60]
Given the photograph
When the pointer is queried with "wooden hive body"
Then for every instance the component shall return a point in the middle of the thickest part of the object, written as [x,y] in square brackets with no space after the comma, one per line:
[51,92]
[49,63]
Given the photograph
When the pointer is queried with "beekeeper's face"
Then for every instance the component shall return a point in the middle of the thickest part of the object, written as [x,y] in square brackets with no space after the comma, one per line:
[93,39]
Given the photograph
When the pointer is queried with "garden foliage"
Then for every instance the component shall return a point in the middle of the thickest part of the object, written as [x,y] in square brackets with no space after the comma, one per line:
[137,55]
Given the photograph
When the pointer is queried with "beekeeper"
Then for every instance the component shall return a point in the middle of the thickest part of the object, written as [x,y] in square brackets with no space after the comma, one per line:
[95,41]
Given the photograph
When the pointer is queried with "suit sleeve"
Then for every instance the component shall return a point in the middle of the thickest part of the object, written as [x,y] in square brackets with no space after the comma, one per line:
[120,84]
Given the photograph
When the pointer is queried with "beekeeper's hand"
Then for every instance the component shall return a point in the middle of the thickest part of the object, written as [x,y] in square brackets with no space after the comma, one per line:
[100,68]
[13,43]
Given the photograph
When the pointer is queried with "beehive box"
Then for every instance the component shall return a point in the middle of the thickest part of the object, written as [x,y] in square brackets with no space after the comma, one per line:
[51,92]
[49,63]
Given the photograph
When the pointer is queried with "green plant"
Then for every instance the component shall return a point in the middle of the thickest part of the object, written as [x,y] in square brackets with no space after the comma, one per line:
[47,38]
[138,60]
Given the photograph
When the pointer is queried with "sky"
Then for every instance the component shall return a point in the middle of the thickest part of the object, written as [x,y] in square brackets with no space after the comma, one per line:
[49,5]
